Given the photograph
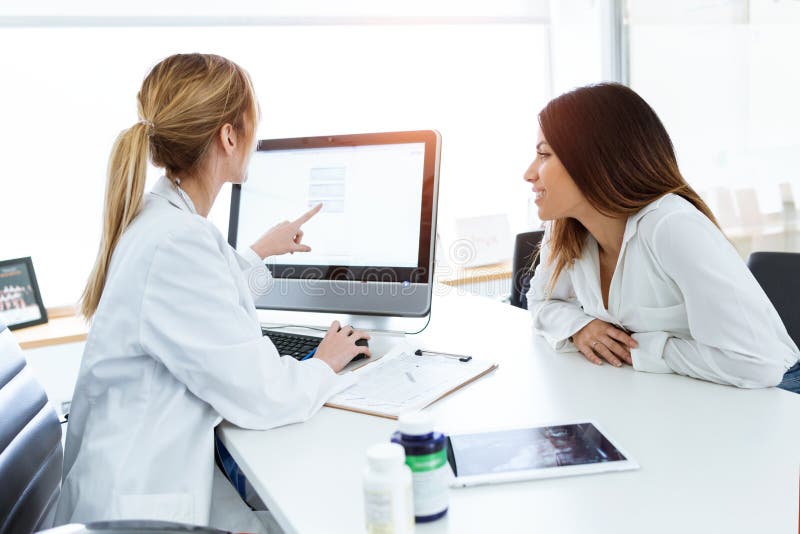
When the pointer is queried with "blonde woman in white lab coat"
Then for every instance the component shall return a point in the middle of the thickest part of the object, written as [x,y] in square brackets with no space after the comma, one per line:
[175,345]
[634,269]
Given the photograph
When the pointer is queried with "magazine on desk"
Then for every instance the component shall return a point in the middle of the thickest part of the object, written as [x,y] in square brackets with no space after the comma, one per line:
[403,381]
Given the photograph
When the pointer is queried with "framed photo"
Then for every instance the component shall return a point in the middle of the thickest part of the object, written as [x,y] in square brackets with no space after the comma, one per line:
[20,302]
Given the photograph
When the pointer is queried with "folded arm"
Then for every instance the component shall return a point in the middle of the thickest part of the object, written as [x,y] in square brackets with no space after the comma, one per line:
[737,336]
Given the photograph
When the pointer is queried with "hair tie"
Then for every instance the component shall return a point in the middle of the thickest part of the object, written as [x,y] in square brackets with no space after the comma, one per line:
[150,126]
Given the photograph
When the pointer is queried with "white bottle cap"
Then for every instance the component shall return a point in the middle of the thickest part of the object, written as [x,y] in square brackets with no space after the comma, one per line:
[386,456]
[415,423]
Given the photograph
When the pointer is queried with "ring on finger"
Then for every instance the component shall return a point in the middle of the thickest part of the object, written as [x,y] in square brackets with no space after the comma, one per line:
[595,342]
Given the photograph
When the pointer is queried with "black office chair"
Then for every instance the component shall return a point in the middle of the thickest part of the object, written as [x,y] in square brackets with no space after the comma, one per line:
[526,258]
[31,457]
[30,445]
[778,273]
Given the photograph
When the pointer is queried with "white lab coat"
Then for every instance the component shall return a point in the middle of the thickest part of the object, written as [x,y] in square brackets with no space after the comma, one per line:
[174,348]
[681,287]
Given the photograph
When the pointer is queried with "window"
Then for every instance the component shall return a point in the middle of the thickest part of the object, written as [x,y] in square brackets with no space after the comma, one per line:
[717,75]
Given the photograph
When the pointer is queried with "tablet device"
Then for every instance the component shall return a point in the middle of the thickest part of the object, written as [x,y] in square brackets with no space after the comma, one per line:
[536,452]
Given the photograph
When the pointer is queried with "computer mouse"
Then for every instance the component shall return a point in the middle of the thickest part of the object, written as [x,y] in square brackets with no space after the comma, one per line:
[361,343]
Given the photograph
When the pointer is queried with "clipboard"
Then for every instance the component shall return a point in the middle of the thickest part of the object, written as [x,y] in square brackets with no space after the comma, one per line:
[402,381]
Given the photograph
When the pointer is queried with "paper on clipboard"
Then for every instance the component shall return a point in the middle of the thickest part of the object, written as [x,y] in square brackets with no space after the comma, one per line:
[402,381]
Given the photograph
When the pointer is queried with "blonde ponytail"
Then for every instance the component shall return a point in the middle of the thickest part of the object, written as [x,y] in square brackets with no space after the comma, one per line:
[183,103]
[127,172]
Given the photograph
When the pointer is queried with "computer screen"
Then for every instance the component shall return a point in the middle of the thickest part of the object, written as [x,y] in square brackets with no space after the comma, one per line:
[377,223]
[353,229]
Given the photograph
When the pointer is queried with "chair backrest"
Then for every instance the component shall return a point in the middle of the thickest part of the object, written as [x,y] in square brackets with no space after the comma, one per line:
[30,445]
[522,266]
[778,273]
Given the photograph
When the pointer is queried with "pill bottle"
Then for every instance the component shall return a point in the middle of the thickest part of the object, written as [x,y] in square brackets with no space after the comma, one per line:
[426,455]
[388,503]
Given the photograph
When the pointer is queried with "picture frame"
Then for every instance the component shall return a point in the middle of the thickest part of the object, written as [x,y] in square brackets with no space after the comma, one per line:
[20,301]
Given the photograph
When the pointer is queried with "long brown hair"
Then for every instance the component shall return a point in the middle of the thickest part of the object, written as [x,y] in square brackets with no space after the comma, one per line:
[617,152]
[182,104]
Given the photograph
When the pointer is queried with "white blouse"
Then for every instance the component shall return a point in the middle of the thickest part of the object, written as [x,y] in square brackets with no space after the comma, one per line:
[681,288]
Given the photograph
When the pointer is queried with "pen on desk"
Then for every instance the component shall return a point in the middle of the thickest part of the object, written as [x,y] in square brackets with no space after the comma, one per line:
[461,358]
[309,355]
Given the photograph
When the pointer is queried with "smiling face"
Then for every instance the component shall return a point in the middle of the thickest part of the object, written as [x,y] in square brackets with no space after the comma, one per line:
[557,195]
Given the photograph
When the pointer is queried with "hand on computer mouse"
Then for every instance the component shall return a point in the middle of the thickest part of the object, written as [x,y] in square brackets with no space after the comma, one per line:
[362,343]
[341,344]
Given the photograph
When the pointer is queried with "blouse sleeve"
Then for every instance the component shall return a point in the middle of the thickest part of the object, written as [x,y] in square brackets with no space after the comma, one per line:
[195,324]
[560,316]
[737,337]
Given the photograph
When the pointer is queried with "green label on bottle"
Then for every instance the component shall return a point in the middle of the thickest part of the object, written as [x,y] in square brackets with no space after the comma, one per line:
[426,462]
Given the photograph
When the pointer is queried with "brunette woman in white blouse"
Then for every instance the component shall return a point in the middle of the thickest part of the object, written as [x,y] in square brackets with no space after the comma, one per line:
[634,268]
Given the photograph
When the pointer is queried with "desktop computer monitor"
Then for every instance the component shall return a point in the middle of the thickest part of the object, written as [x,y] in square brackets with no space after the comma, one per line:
[372,242]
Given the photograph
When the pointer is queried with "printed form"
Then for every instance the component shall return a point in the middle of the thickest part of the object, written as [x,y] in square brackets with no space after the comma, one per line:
[401,381]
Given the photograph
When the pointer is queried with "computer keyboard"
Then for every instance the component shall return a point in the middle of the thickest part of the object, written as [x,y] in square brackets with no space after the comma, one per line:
[295,345]
[299,346]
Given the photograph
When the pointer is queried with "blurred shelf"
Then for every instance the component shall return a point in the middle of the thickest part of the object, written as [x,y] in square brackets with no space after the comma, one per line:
[63,326]
[457,276]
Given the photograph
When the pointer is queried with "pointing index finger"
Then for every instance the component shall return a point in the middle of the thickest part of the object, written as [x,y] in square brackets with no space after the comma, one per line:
[307,215]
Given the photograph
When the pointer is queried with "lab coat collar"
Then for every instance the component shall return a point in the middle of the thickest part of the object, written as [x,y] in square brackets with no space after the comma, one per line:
[633,221]
[165,189]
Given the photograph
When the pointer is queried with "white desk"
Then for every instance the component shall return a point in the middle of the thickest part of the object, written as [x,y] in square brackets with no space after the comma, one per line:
[714,458]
